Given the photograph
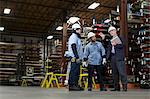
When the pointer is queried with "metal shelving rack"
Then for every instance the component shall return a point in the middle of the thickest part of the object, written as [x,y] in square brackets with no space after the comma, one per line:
[138,60]
[8,63]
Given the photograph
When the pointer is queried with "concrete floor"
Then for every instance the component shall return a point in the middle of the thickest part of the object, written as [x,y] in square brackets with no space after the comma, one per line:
[9,92]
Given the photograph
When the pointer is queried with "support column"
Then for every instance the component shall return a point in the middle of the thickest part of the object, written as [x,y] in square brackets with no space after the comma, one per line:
[64,39]
[124,24]
[64,44]
[44,57]
[47,44]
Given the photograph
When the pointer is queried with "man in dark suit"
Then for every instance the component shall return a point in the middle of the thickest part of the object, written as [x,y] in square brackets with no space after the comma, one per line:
[115,53]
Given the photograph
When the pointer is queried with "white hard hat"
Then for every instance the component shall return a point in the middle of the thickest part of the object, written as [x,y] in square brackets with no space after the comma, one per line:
[111,28]
[107,21]
[90,34]
[76,26]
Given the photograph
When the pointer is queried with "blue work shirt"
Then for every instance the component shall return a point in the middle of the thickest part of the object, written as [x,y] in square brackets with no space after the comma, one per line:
[74,39]
[94,52]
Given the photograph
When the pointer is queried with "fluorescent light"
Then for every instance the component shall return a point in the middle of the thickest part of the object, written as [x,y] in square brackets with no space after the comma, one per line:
[49,37]
[72,20]
[1,28]
[59,28]
[94,5]
[7,11]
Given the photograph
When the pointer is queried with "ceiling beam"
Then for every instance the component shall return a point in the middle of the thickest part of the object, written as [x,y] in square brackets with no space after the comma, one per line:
[21,27]
[15,33]
[24,31]
[54,7]
[34,12]
[22,18]
[24,23]
[85,3]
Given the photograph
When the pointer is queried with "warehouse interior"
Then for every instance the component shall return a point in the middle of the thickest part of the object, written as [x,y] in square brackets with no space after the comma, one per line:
[34,38]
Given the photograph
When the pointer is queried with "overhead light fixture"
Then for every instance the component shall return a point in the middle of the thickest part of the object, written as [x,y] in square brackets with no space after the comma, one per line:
[7,11]
[59,28]
[1,28]
[72,20]
[94,5]
[49,37]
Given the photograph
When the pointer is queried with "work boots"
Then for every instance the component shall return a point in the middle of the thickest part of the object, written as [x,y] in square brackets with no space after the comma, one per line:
[117,88]
[124,86]
[75,88]
[103,89]
[89,89]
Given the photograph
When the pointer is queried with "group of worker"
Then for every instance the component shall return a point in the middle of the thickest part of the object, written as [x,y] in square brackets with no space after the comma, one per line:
[94,56]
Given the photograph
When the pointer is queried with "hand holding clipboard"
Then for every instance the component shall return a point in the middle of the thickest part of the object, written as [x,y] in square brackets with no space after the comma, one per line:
[115,40]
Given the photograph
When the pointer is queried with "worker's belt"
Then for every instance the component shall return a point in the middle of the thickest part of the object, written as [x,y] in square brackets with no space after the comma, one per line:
[73,59]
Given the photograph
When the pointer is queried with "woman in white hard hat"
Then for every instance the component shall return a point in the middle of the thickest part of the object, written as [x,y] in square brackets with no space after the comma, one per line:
[94,54]
[116,54]
[76,53]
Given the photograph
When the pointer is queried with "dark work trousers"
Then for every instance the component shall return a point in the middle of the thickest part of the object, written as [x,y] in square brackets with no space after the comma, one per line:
[118,71]
[74,74]
[100,74]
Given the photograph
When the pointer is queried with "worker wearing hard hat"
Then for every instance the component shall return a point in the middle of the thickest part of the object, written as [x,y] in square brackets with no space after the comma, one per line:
[76,53]
[116,53]
[94,54]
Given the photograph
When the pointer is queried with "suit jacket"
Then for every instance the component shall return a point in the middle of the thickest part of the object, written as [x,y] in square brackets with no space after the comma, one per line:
[119,51]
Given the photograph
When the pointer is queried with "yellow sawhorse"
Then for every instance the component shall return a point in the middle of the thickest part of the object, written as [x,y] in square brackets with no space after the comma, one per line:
[85,81]
[50,78]
[55,76]
[46,79]
[24,83]
[85,76]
